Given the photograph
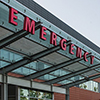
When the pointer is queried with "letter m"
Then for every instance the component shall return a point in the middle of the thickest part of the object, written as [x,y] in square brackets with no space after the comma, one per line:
[29,25]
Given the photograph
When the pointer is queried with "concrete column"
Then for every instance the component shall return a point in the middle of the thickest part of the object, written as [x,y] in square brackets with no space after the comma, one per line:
[99,87]
[67,94]
[4,88]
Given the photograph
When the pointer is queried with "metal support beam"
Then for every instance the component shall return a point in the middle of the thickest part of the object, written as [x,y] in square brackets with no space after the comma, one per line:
[55,80]
[16,97]
[4,89]
[38,25]
[26,60]
[53,68]
[14,37]
[80,81]
[67,94]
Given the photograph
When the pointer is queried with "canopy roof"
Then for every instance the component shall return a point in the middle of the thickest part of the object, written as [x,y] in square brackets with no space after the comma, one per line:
[28,55]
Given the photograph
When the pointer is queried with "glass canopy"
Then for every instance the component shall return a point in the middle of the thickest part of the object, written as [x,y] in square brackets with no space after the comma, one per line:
[28,56]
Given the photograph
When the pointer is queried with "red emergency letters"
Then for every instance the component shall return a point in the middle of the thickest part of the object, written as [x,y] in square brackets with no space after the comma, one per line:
[29,25]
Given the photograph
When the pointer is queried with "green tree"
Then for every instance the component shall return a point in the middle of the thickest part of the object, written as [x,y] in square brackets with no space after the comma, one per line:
[85,86]
[95,89]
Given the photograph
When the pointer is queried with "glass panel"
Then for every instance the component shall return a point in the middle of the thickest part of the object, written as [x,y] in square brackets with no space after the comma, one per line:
[9,56]
[41,94]
[90,85]
[24,92]
[78,77]
[33,93]
[5,16]
[46,77]
[24,71]
[33,65]
[59,72]
[98,69]
[37,65]
[65,82]
[63,72]
[47,66]
[51,77]
[17,57]
[4,54]
[48,95]
[3,64]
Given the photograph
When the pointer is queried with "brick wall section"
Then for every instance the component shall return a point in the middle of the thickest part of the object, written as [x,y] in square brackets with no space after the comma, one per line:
[15,75]
[81,94]
[18,75]
[58,96]
[97,80]
[56,85]
[38,80]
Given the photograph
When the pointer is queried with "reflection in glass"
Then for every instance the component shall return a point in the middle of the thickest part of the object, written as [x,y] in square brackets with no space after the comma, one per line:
[90,85]
[9,56]
[4,54]
[3,64]
[24,92]
[17,57]
[48,95]
[41,95]
[33,93]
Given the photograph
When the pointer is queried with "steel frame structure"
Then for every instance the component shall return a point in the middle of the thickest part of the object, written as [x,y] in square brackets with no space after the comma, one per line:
[79,72]
[28,59]
[80,81]
[53,68]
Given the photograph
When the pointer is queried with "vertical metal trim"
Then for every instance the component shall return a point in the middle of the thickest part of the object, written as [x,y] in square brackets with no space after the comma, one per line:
[67,94]
[4,88]
[18,93]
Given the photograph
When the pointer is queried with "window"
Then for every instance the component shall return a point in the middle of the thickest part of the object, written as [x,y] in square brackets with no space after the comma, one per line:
[27,94]
[90,85]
